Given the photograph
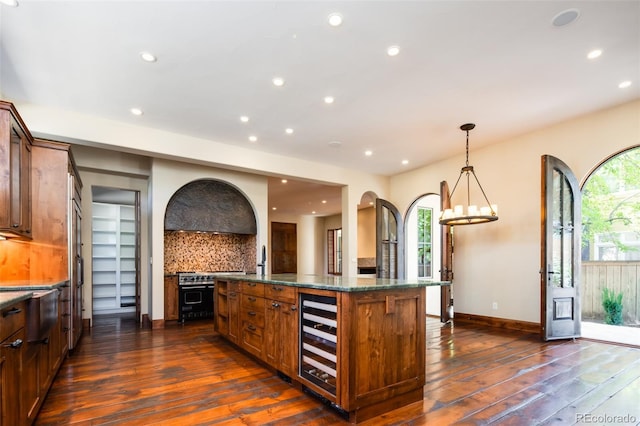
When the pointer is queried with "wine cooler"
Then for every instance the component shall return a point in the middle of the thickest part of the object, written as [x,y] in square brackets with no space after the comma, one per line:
[319,338]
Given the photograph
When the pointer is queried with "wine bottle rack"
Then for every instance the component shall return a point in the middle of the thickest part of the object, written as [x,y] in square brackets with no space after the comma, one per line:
[318,359]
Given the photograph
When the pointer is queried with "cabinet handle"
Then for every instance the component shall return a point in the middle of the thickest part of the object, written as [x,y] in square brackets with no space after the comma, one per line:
[66,329]
[251,284]
[251,327]
[12,311]
[275,305]
[251,299]
[15,225]
[294,308]
[277,288]
[14,345]
[232,294]
[44,341]
[66,315]
[65,285]
[253,314]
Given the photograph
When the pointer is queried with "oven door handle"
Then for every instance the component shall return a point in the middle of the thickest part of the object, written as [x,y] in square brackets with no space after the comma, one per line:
[189,287]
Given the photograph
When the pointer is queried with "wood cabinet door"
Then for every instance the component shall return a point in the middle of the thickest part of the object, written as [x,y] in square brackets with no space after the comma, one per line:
[233,302]
[10,375]
[171,298]
[281,336]
[386,345]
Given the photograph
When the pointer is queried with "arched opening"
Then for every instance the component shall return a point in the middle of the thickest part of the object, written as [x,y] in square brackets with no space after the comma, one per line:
[611,248]
[423,245]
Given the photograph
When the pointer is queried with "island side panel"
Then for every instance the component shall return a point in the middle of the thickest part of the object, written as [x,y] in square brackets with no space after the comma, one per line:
[386,338]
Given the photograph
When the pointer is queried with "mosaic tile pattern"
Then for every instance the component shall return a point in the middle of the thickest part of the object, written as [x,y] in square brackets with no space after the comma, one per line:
[191,251]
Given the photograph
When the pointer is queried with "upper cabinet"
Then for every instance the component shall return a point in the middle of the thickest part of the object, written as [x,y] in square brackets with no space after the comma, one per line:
[15,174]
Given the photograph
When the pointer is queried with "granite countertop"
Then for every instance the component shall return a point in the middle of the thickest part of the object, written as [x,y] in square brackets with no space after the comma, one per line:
[8,298]
[30,285]
[336,282]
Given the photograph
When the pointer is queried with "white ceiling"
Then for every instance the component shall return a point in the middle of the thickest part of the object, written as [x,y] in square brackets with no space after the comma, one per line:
[499,64]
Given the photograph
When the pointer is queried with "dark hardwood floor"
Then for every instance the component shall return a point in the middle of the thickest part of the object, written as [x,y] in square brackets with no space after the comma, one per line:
[187,375]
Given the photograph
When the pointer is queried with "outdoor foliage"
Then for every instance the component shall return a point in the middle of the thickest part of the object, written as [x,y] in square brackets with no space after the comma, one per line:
[612,304]
[611,200]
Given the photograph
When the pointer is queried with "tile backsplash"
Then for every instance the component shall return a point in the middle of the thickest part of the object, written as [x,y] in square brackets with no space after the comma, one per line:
[191,251]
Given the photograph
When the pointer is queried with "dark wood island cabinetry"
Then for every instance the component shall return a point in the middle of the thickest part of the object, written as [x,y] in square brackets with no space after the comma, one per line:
[359,343]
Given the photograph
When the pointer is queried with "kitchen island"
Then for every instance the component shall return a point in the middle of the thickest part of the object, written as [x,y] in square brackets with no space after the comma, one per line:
[356,343]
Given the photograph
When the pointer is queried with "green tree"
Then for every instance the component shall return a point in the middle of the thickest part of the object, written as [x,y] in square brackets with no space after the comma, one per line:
[611,200]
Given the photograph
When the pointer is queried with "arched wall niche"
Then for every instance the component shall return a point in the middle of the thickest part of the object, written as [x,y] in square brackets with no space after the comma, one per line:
[209,226]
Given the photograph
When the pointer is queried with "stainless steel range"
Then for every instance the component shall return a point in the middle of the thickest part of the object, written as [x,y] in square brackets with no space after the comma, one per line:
[195,294]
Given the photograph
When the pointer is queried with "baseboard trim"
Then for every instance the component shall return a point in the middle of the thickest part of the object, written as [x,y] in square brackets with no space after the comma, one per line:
[86,323]
[145,321]
[528,327]
[157,324]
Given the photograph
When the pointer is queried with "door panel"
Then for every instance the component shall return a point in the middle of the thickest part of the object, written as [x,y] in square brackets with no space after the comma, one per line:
[446,256]
[389,241]
[560,251]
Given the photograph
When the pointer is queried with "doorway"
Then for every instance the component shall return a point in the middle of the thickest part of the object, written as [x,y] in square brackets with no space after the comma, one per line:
[115,252]
[611,249]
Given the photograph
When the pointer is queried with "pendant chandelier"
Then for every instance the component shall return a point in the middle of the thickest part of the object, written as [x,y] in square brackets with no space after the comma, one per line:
[469,214]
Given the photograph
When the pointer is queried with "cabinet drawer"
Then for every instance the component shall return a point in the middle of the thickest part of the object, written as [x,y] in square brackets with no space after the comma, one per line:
[12,319]
[253,316]
[249,301]
[254,289]
[252,339]
[282,293]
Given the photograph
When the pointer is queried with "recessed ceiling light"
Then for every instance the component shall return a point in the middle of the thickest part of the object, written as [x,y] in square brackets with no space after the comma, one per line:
[328,99]
[136,111]
[405,162]
[313,212]
[624,84]
[288,131]
[10,3]
[565,17]
[368,153]
[148,57]
[278,81]
[393,50]
[283,181]
[253,138]
[335,19]
[274,208]
[244,119]
[596,53]
[324,201]
[335,144]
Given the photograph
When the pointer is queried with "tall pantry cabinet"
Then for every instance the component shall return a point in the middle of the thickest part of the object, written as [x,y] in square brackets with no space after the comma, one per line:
[56,221]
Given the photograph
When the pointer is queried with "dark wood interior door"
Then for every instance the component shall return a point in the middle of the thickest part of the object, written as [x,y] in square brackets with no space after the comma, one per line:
[446,255]
[389,241]
[284,248]
[560,251]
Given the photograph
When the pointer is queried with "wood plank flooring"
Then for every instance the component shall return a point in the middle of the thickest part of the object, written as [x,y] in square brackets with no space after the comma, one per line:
[187,375]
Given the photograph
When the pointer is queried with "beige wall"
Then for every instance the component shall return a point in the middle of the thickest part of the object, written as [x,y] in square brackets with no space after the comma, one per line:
[496,262]
[499,261]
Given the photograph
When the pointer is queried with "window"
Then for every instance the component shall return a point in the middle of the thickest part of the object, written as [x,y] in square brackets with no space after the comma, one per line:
[425,259]
[334,248]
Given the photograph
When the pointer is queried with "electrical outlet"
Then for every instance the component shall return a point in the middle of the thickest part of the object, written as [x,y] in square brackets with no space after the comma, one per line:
[494,306]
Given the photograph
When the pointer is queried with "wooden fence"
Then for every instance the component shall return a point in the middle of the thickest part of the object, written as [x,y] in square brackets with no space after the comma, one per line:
[617,276]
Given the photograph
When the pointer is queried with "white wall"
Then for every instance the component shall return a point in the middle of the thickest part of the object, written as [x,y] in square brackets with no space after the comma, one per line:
[499,261]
